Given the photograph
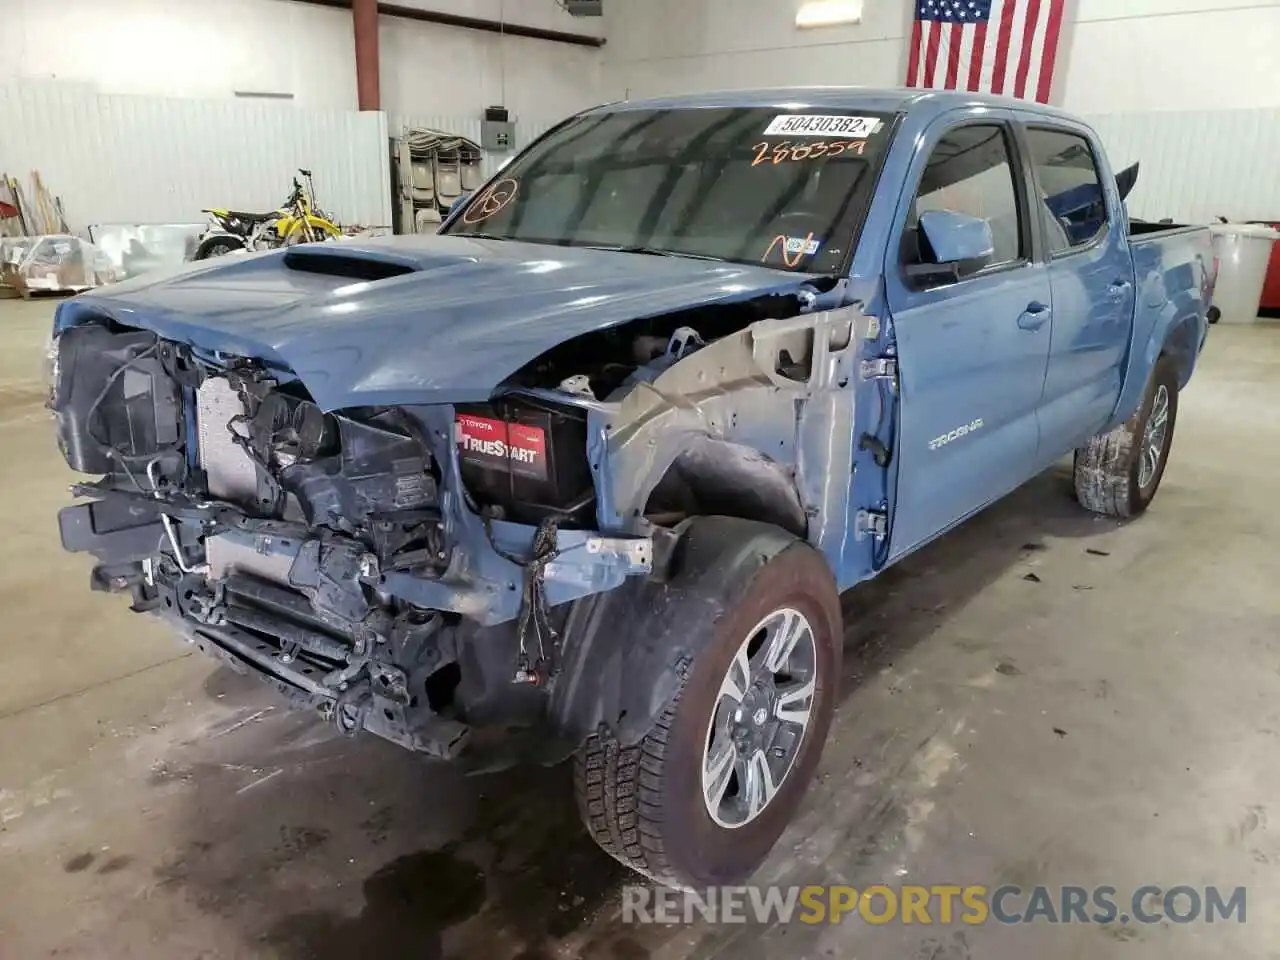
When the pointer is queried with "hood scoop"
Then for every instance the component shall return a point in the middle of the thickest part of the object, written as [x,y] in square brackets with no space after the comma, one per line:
[352,264]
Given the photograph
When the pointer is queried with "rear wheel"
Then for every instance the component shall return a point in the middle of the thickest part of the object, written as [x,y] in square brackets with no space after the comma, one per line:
[705,794]
[1119,472]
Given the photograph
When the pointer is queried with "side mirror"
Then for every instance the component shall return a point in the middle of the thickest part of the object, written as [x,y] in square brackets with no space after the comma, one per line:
[952,244]
[957,238]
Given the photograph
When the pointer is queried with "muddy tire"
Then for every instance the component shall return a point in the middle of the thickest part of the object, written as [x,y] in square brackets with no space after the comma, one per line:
[1118,473]
[665,806]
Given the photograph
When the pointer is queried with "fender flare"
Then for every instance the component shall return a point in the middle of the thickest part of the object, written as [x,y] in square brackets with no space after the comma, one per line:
[318,223]
[1177,326]
[630,650]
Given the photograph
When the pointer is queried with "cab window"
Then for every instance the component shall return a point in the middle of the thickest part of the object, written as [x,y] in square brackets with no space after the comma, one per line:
[1072,202]
[970,171]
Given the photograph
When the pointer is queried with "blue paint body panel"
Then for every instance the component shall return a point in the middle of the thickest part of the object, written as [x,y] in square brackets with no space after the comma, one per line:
[469,314]
[998,375]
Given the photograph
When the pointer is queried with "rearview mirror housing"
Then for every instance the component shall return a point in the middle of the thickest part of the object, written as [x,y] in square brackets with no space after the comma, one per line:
[957,238]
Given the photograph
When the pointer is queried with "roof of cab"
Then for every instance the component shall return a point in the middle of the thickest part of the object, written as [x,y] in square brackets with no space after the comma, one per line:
[876,99]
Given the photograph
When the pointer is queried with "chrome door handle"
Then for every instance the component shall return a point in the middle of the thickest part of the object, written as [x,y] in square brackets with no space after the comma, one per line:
[1035,316]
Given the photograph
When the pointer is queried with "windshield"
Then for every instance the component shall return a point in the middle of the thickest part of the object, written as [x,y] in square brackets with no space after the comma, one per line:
[749,185]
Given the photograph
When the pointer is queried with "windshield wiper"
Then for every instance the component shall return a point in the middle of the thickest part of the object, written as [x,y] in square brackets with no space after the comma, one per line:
[650,251]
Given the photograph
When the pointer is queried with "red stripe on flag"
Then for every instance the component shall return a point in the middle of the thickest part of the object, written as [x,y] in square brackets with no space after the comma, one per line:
[913,64]
[975,62]
[1028,41]
[953,58]
[1007,13]
[1050,49]
[931,58]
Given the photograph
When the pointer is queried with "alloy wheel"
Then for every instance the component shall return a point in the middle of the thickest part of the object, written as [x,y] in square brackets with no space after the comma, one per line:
[760,718]
[1153,437]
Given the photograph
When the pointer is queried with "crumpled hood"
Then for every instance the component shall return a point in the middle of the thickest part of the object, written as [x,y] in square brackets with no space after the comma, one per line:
[461,316]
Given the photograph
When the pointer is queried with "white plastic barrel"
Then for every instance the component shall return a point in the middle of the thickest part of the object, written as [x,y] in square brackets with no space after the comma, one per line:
[1243,251]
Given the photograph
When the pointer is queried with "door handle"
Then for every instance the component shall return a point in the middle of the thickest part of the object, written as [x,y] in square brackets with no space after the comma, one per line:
[1119,289]
[1035,316]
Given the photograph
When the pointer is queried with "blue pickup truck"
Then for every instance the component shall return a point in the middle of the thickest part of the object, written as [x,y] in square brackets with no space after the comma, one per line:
[587,471]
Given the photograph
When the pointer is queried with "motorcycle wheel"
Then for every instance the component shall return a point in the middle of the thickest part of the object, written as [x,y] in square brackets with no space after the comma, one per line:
[217,247]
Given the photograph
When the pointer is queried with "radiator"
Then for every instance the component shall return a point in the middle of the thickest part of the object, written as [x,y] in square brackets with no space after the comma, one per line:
[230,472]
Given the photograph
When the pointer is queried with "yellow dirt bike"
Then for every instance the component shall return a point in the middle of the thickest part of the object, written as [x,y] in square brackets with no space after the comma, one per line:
[298,221]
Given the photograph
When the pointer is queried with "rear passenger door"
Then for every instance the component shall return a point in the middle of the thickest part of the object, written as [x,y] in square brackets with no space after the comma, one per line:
[1091,273]
[972,349]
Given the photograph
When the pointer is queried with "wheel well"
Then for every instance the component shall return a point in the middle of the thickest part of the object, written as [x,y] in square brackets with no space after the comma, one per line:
[719,478]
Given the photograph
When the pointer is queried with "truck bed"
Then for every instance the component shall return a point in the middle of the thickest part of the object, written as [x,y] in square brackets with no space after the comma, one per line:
[1141,231]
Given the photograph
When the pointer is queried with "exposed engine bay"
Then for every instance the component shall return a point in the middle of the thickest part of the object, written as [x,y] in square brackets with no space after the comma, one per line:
[412,570]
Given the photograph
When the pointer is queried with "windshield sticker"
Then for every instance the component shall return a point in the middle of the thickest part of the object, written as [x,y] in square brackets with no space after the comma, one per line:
[786,151]
[794,249]
[490,200]
[817,125]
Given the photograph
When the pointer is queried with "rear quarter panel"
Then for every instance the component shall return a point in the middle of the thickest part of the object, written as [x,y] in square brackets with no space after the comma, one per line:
[1174,282]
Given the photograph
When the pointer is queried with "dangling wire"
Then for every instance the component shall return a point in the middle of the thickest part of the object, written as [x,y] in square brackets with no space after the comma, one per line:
[533,601]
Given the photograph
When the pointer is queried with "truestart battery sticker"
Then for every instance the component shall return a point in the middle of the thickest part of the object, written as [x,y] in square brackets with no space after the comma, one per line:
[499,445]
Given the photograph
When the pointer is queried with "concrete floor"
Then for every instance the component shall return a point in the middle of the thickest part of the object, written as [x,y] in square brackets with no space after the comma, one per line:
[1115,721]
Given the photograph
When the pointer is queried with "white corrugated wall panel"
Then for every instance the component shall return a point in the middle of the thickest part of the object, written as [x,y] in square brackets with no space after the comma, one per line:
[132,159]
[1199,164]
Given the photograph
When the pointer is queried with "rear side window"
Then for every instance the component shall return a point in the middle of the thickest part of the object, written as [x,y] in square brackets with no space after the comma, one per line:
[969,171]
[1072,203]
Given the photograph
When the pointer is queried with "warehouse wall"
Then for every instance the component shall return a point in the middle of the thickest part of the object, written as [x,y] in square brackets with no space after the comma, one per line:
[1121,55]
[120,158]
[1199,164]
[1133,56]
[1191,89]
[670,46]
[213,48]
[124,158]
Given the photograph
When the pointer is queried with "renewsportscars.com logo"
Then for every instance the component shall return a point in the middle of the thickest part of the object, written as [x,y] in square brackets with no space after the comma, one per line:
[938,904]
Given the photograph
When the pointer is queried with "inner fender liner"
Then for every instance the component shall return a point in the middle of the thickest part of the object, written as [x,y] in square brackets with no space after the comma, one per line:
[632,648]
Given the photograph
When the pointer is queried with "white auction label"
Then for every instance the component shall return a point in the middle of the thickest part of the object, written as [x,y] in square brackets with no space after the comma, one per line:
[818,125]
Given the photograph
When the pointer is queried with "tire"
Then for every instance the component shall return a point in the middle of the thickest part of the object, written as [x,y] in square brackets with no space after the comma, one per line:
[1110,477]
[644,804]
[217,247]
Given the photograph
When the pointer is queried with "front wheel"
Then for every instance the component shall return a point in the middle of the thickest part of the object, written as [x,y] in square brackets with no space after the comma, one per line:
[1118,473]
[705,794]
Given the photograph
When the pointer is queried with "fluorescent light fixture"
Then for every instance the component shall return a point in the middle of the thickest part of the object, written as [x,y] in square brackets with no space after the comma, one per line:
[828,13]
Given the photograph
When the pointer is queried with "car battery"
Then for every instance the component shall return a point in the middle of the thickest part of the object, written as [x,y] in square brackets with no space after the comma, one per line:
[530,460]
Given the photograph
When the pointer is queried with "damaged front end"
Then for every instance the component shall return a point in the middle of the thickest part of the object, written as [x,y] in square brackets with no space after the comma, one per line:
[426,571]
[337,554]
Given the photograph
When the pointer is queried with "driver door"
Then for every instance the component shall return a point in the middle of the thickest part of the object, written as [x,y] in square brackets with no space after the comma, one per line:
[973,347]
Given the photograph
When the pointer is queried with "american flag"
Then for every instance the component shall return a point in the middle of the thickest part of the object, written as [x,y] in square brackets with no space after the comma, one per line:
[1006,47]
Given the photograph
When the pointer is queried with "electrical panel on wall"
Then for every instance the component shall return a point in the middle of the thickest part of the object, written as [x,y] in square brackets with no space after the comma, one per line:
[497,132]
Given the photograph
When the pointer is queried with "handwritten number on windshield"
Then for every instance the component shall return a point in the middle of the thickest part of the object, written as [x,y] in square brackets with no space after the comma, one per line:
[786,151]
